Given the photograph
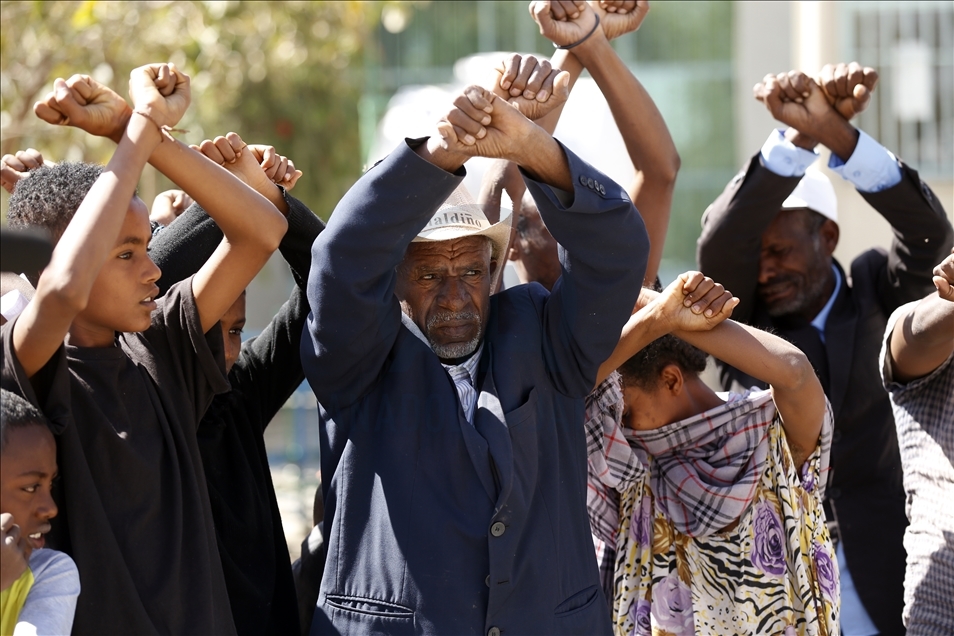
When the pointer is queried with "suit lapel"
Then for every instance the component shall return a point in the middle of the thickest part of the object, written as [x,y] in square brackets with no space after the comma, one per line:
[840,345]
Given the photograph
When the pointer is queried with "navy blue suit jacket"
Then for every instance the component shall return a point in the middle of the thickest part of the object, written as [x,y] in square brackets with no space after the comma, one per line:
[434,525]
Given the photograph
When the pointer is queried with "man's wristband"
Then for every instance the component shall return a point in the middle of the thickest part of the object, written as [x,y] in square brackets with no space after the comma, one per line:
[586,37]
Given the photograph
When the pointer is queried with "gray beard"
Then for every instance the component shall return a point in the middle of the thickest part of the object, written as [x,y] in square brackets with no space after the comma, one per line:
[454,349]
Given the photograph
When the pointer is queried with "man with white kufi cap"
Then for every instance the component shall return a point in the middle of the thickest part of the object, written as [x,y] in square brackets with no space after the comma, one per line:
[452,447]
[770,238]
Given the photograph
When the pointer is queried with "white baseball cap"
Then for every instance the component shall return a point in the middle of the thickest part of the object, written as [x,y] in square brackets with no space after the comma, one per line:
[814,192]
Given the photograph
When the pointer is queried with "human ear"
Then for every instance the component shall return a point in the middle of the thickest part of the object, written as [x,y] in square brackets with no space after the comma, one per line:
[672,379]
[829,233]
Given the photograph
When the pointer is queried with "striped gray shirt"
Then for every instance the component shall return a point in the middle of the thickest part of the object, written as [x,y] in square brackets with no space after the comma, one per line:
[924,418]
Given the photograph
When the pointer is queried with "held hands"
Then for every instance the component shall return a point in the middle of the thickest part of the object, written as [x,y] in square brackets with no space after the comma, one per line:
[260,166]
[565,22]
[160,91]
[481,125]
[16,167]
[795,99]
[944,278]
[529,83]
[86,104]
[12,559]
[619,17]
[848,87]
[694,302]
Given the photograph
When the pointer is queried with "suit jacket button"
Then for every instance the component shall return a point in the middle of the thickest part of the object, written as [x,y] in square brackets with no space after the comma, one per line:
[498,529]
[836,437]
[589,183]
[602,189]
[487,581]
[582,179]
[834,493]
[493,631]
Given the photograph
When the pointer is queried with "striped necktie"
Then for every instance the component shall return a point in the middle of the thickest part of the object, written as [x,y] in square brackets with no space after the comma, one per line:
[465,389]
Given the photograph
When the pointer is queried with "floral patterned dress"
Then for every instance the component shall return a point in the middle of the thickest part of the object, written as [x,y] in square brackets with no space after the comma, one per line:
[774,572]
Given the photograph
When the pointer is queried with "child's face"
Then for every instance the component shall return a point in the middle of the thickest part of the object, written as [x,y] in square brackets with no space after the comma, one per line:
[27,470]
[123,295]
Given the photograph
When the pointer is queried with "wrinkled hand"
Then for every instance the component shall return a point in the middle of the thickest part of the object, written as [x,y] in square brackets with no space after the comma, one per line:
[848,87]
[944,278]
[161,91]
[480,124]
[168,205]
[794,99]
[694,302]
[86,104]
[619,17]
[534,86]
[12,559]
[18,166]
[563,22]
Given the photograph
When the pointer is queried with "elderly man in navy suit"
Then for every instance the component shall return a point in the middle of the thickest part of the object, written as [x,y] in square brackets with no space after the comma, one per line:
[452,442]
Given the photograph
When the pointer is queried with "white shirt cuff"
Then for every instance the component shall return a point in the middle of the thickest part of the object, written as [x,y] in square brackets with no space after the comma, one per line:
[871,167]
[785,158]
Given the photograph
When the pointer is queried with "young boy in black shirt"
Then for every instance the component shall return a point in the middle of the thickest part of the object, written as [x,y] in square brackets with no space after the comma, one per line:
[130,385]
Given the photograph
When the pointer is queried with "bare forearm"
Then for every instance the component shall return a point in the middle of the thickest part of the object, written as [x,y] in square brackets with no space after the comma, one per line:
[640,330]
[752,351]
[543,159]
[648,142]
[922,339]
[797,393]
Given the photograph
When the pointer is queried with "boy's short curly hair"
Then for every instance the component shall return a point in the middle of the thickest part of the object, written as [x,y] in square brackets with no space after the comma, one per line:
[643,369]
[50,196]
[16,412]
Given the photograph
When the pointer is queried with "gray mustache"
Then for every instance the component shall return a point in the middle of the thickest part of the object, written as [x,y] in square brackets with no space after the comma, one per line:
[461,316]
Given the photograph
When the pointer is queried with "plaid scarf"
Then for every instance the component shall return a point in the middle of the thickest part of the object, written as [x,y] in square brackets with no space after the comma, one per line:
[612,467]
[706,468]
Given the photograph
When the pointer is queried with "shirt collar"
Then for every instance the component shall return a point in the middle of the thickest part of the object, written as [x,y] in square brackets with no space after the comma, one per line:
[822,318]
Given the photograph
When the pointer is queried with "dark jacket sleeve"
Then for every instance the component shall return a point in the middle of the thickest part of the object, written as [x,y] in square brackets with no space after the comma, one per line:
[603,249]
[922,239]
[355,318]
[269,366]
[731,241]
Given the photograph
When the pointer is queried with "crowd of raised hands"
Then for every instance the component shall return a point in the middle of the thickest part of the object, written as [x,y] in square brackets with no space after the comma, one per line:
[243,187]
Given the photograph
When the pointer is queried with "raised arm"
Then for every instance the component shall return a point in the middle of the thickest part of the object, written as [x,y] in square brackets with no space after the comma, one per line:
[923,337]
[64,287]
[252,226]
[922,230]
[701,295]
[648,142]
[795,388]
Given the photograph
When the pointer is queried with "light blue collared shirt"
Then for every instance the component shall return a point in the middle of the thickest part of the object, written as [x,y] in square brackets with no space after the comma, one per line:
[870,168]
[822,318]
